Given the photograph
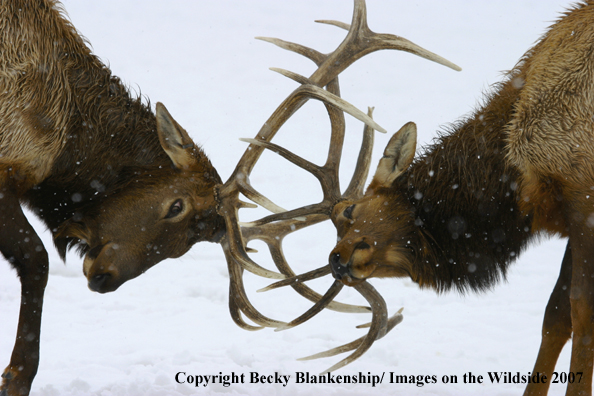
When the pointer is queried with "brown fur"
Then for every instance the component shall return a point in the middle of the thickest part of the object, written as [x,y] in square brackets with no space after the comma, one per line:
[93,162]
[520,166]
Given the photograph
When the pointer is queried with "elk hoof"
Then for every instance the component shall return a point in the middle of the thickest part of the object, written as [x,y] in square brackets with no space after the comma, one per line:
[7,376]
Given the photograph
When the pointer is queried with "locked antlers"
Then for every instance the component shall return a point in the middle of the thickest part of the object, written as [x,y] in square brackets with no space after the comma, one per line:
[272,229]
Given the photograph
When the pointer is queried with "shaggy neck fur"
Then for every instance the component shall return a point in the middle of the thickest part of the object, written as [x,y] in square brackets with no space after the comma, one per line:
[109,137]
[465,202]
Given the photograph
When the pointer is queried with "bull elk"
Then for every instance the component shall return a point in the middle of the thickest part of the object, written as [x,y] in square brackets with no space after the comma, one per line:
[520,166]
[128,187]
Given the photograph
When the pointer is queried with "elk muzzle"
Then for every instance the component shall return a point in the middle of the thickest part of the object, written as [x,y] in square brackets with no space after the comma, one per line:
[339,270]
[100,270]
[350,261]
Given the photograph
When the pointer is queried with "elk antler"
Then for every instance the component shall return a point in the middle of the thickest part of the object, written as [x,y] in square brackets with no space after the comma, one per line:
[272,229]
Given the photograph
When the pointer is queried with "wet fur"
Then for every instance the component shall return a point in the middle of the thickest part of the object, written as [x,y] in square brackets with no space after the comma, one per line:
[514,164]
[465,199]
[73,140]
[101,137]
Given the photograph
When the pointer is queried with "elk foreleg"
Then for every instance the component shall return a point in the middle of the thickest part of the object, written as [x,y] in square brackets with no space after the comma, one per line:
[23,248]
[556,328]
[581,297]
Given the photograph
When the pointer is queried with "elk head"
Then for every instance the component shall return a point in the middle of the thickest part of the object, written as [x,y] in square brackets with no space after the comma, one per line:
[322,85]
[376,231]
[155,214]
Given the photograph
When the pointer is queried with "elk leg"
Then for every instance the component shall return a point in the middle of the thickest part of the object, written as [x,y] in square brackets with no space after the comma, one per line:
[581,298]
[556,328]
[23,248]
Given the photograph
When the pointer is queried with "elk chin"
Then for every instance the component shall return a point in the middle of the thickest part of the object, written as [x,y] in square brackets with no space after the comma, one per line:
[397,264]
[350,280]
[361,265]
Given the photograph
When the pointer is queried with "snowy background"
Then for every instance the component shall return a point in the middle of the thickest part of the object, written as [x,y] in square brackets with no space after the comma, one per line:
[202,61]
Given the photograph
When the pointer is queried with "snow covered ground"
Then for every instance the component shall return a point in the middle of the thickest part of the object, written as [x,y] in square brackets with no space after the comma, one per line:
[202,61]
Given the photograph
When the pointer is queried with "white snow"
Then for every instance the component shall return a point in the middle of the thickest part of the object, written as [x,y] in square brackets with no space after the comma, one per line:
[202,61]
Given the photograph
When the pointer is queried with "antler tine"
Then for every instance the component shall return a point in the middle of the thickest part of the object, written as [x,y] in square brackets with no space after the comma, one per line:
[392,322]
[390,41]
[361,41]
[299,214]
[312,91]
[316,308]
[235,250]
[240,302]
[380,326]
[338,124]
[341,25]
[289,156]
[235,312]
[317,57]
[250,192]
[277,230]
[276,251]
[314,274]
[355,188]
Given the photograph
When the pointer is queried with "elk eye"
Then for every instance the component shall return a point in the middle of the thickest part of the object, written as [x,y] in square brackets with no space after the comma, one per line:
[348,212]
[176,208]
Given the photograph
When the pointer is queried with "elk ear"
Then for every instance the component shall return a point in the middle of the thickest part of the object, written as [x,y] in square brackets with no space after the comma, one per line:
[398,156]
[174,139]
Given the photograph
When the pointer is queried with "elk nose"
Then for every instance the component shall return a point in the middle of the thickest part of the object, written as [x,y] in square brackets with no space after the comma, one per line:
[338,270]
[97,281]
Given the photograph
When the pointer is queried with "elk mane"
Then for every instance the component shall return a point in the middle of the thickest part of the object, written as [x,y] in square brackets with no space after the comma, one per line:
[462,189]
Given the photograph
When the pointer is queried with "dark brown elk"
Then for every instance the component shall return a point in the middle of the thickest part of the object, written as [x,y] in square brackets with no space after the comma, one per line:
[460,213]
[126,187]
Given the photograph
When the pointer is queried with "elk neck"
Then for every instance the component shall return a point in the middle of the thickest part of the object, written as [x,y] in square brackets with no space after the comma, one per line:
[110,139]
[465,200]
